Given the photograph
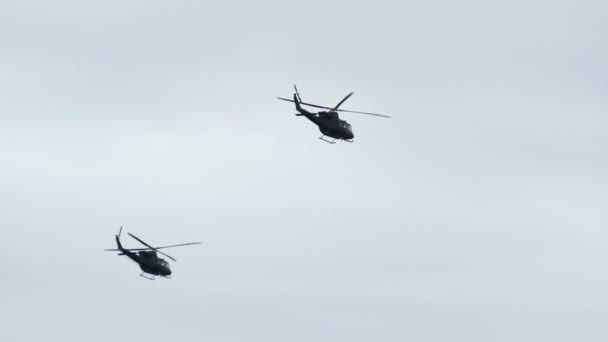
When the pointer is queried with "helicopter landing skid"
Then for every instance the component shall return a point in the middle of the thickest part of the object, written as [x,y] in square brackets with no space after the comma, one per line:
[334,140]
[143,275]
[328,141]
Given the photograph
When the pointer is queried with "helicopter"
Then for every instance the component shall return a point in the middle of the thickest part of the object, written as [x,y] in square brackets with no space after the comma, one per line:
[147,258]
[328,121]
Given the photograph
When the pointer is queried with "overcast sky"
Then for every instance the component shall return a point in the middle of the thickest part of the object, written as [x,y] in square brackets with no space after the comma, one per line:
[477,213]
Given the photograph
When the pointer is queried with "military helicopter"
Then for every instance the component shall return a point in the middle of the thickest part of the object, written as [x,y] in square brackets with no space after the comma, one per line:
[146,258]
[329,122]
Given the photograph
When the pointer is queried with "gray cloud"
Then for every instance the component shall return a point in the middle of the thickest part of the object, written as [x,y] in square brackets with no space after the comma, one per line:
[477,213]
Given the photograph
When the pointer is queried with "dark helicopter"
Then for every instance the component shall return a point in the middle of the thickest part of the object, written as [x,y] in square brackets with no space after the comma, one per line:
[329,122]
[146,258]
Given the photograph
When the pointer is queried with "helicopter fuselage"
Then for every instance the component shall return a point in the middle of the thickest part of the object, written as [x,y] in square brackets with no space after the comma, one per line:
[331,125]
[150,263]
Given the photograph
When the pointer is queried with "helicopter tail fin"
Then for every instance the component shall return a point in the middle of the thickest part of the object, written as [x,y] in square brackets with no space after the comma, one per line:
[297,93]
[296,100]
[118,244]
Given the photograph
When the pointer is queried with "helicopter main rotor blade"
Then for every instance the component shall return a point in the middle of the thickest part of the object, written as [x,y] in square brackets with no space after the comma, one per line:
[155,248]
[304,103]
[337,110]
[152,248]
[181,244]
[352,111]
[341,102]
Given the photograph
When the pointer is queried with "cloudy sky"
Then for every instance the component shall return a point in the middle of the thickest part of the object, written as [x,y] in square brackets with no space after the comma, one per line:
[477,213]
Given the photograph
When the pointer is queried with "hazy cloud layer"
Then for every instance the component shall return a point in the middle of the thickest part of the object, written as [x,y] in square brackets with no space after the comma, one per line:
[477,213]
